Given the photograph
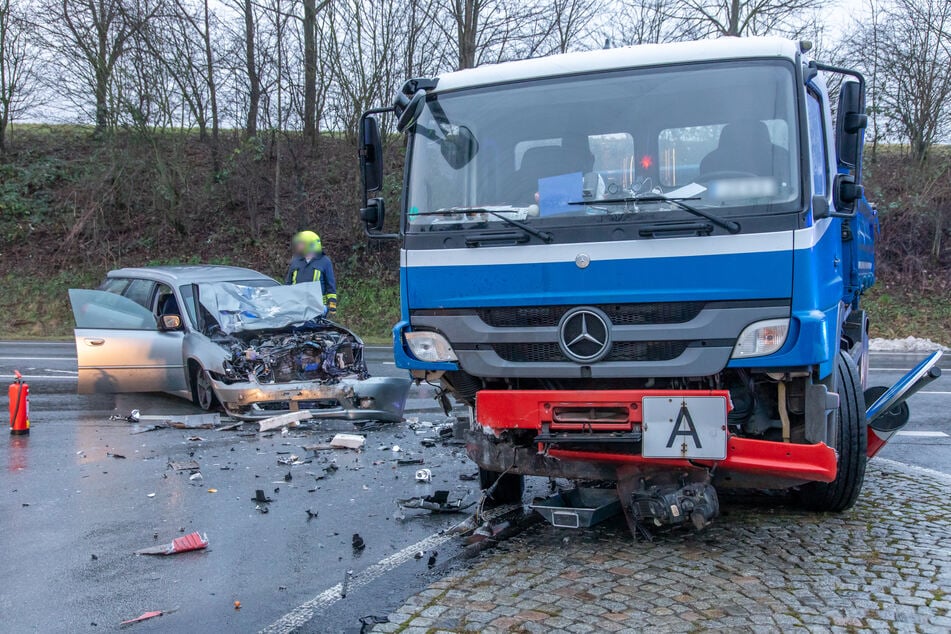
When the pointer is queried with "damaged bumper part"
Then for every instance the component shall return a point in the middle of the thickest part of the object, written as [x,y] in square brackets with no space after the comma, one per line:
[377,398]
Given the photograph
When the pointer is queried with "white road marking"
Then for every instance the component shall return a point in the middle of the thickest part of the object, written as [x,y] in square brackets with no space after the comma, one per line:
[389,363]
[44,377]
[28,358]
[306,611]
[923,434]
[914,470]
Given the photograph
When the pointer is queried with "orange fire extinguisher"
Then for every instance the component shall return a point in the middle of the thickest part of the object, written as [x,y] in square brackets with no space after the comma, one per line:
[19,395]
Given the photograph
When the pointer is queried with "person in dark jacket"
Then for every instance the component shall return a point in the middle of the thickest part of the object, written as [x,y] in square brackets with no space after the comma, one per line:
[310,264]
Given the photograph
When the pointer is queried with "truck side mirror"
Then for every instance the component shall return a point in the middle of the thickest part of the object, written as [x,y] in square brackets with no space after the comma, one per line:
[850,124]
[371,154]
[374,214]
[851,120]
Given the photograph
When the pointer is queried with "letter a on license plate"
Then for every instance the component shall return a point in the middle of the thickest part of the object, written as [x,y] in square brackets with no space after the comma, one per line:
[684,427]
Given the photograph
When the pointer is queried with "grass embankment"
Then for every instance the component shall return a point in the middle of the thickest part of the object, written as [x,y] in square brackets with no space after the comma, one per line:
[38,308]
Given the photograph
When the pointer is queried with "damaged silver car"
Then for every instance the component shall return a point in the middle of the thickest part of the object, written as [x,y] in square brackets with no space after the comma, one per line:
[227,336]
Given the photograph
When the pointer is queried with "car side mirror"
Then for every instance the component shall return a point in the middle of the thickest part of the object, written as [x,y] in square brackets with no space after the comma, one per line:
[169,323]
[371,154]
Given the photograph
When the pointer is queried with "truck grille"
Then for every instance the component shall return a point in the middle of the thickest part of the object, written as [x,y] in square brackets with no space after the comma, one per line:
[620,351]
[619,314]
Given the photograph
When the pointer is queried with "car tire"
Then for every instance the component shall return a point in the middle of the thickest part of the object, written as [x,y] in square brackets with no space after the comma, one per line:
[509,490]
[203,392]
[850,444]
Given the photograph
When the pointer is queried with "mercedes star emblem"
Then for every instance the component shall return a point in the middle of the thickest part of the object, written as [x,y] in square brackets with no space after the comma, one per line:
[585,334]
[582,260]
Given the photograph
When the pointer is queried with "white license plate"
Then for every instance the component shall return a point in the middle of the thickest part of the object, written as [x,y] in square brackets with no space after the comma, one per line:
[684,427]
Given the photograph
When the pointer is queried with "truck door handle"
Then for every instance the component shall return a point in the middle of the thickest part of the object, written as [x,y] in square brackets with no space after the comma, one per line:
[94,342]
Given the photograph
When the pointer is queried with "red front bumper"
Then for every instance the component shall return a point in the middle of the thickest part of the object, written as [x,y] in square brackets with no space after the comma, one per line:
[619,411]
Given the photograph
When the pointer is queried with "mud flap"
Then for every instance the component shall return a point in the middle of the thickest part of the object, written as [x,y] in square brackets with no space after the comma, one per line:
[889,413]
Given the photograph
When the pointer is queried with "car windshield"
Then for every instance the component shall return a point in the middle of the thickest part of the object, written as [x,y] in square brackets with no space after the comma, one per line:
[561,151]
[238,307]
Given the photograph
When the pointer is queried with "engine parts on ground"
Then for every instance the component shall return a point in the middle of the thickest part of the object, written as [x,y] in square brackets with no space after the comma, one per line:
[669,506]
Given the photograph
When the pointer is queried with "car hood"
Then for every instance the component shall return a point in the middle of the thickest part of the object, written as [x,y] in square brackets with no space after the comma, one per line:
[239,308]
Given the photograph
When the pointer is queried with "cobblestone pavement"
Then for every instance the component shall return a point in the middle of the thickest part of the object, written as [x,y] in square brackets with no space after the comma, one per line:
[885,565]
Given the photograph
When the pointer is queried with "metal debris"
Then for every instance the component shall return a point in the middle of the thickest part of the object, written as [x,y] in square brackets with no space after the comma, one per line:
[438,502]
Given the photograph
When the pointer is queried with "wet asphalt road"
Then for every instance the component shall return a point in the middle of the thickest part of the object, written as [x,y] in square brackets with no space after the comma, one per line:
[65,499]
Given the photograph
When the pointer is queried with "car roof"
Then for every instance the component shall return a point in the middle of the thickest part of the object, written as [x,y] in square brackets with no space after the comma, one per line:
[190,273]
[725,48]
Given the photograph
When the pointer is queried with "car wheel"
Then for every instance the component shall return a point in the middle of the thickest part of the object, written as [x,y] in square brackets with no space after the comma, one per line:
[510,487]
[850,444]
[203,392]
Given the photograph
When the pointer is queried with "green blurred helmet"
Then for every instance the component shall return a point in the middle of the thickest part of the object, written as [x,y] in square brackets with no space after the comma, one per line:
[309,240]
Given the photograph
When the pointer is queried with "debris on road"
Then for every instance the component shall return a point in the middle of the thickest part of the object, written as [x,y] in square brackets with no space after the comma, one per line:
[116,455]
[145,617]
[290,419]
[438,502]
[131,417]
[196,477]
[212,490]
[432,559]
[237,605]
[150,495]
[469,477]
[367,622]
[488,530]
[428,443]
[187,421]
[406,462]
[189,465]
[260,497]
[290,460]
[311,514]
[348,441]
[193,541]
[358,543]
[424,475]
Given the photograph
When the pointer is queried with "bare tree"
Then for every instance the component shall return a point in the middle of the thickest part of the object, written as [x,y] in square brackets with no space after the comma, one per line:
[89,37]
[746,17]
[18,80]
[571,21]
[910,47]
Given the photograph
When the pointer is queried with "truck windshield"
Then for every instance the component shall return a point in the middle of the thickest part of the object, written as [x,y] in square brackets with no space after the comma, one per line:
[564,151]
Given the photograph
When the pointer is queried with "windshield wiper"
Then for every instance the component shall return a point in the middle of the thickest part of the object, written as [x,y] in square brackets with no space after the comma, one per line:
[729,225]
[544,236]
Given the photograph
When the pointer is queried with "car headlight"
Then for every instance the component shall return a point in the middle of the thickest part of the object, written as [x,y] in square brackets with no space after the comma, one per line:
[430,346]
[761,338]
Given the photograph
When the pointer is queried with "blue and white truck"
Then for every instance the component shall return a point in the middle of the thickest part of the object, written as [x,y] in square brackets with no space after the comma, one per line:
[644,265]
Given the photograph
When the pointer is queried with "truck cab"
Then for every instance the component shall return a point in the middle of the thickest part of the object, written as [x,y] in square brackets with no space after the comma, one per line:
[643,265]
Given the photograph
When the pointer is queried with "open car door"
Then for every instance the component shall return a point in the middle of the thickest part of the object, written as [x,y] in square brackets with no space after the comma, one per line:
[120,347]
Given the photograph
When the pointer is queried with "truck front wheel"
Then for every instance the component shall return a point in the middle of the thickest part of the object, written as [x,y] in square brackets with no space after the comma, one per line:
[850,444]
[510,487]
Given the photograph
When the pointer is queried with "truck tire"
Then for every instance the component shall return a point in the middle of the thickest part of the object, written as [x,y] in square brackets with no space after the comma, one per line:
[850,443]
[510,488]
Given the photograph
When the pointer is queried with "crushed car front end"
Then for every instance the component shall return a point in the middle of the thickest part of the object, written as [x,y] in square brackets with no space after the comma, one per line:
[376,398]
[281,355]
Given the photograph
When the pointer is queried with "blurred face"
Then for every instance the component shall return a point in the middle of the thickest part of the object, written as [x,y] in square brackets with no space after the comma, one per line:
[302,247]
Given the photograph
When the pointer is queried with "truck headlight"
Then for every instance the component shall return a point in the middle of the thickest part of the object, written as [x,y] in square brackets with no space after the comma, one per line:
[761,338]
[430,346]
